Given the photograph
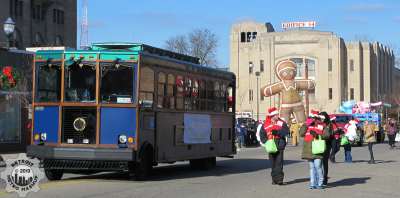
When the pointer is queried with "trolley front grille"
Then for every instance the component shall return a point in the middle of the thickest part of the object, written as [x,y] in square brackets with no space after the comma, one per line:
[85,133]
[84,164]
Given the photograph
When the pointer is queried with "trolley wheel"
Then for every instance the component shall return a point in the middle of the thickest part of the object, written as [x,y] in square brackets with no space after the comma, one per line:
[143,168]
[54,175]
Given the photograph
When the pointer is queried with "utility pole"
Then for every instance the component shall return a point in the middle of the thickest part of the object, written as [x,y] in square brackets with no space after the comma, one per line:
[258,97]
[306,91]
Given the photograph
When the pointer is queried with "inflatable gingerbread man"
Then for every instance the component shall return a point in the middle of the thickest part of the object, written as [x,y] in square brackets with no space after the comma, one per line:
[288,89]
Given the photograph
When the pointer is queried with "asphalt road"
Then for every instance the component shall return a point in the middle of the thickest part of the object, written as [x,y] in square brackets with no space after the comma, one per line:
[245,176]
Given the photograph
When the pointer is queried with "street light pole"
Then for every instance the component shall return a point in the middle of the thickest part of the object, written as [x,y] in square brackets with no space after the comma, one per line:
[258,97]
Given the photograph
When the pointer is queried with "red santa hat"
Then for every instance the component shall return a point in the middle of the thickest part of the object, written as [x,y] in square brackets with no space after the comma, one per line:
[314,113]
[272,111]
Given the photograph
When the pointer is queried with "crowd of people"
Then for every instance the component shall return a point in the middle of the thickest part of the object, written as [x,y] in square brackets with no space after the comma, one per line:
[322,140]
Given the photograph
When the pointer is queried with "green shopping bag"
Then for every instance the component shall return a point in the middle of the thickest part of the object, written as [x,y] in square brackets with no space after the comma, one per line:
[318,146]
[270,146]
[344,141]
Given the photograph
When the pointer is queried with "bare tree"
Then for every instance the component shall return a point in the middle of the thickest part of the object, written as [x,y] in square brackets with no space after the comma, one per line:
[178,44]
[201,43]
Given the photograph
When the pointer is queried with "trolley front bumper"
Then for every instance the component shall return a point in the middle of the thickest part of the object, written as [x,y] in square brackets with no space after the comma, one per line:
[88,154]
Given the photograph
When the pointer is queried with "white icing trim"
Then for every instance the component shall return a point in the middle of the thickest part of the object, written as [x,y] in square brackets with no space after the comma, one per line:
[292,105]
[274,113]
[287,88]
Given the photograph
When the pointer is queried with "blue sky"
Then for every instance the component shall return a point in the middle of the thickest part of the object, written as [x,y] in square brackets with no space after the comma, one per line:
[154,21]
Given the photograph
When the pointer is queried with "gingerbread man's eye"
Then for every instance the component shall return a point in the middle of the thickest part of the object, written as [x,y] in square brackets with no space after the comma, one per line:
[291,72]
[284,73]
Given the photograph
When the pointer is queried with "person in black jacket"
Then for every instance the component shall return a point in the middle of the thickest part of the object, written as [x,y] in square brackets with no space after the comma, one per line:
[325,160]
[277,129]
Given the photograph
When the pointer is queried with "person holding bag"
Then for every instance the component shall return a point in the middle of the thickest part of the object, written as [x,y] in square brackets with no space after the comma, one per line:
[273,136]
[350,135]
[328,127]
[312,134]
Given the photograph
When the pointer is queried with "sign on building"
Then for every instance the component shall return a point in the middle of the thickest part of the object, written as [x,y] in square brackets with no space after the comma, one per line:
[299,24]
[35,49]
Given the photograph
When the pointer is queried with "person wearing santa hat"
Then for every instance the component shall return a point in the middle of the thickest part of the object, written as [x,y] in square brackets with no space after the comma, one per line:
[309,131]
[328,128]
[337,132]
[275,128]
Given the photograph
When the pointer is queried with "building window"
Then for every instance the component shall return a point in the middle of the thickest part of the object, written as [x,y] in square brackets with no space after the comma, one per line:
[250,95]
[243,37]
[11,7]
[249,36]
[351,65]
[59,41]
[351,93]
[329,64]
[16,8]
[250,67]
[54,15]
[62,17]
[261,96]
[20,8]
[254,35]
[261,65]
[330,94]
[37,12]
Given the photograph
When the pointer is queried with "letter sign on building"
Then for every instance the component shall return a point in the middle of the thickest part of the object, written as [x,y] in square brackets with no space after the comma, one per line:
[301,24]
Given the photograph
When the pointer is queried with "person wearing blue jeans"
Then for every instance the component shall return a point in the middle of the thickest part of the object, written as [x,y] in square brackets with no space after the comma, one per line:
[347,153]
[316,173]
[309,132]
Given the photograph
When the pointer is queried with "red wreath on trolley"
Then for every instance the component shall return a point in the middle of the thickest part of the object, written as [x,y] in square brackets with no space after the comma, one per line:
[8,78]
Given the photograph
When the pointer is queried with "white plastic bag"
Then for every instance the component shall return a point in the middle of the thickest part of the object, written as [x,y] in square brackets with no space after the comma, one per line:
[397,137]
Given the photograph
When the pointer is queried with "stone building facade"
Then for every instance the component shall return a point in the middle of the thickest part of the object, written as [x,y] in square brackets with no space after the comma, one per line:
[360,71]
[41,22]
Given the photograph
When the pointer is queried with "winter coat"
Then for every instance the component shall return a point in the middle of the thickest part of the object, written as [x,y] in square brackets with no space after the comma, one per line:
[282,133]
[307,150]
[391,129]
[294,128]
[369,133]
[351,132]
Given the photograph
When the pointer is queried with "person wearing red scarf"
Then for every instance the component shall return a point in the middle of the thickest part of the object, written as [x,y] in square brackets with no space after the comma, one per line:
[309,131]
[275,128]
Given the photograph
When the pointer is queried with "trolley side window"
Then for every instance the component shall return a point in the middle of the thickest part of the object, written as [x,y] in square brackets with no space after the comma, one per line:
[171,91]
[146,91]
[162,100]
[48,78]
[117,83]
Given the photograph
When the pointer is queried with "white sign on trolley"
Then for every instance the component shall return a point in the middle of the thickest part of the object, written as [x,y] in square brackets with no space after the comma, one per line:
[197,129]
[299,24]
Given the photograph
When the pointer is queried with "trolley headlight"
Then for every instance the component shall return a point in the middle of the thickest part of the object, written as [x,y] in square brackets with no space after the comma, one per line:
[122,139]
[36,137]
[43,137]
[79,124]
